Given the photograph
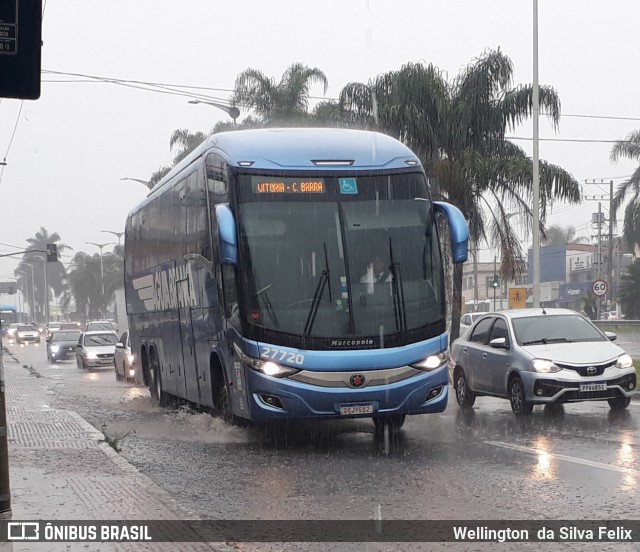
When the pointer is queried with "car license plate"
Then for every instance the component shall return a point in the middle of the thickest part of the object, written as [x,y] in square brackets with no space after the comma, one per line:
[585,387]
[351,409]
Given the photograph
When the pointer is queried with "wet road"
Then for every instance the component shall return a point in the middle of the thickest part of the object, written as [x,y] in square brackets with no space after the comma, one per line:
[580,462]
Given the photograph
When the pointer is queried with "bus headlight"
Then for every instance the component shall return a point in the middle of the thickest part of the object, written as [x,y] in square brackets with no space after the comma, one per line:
[432,362]
[268,367]
[624,361]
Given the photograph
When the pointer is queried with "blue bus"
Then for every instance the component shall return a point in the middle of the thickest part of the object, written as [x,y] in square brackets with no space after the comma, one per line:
[288,274]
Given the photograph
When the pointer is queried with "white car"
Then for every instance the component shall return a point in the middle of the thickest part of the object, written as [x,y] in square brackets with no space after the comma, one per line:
[96,349]
[468,320]
[27,334]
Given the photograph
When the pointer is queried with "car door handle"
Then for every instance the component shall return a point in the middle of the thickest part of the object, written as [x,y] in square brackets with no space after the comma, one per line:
[484,355]
[464,349]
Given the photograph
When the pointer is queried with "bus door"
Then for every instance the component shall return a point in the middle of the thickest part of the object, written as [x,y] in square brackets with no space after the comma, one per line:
[187,383]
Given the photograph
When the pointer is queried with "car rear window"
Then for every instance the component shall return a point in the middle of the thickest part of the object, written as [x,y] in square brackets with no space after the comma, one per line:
[66,336]
[100,339]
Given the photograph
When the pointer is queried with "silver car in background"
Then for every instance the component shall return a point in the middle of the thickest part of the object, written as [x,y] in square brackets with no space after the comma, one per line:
[540,356]
[96,349]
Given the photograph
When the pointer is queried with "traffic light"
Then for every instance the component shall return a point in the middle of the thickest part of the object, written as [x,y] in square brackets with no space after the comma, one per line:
[52,252]
[495,282]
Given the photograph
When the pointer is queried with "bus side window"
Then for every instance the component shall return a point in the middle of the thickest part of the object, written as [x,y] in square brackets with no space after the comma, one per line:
[230,292]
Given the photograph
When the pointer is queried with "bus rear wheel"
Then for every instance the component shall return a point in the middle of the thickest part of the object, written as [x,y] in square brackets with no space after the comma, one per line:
[157,393]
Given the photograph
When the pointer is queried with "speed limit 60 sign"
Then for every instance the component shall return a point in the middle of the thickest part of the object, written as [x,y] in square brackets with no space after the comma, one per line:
[599,288]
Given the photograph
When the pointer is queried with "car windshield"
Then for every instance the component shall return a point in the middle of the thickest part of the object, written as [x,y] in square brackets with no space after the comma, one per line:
[100,326]
[100,339]
[66,336]
[533,330]
[27,329]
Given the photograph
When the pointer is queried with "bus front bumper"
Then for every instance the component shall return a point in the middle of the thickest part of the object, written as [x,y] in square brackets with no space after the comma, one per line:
[282,398]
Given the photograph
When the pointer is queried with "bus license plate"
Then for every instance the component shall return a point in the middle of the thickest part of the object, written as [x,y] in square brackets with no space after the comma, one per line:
[585,387]
[350,410]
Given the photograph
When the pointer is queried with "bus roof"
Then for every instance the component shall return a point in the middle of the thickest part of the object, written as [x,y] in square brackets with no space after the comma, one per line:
[309,149]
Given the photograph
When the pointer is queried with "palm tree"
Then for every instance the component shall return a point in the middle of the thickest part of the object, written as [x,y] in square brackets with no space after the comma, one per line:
[278,103]
[458,129]
[35,257]
[560,235]
[629,149]
[629,295]
[85,284]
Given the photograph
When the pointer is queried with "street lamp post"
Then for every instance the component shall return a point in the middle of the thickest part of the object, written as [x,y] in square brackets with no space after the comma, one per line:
[232,111]
[26,290]
[45,307]
[32,307]
[144,182]
[116,234]
[101,246]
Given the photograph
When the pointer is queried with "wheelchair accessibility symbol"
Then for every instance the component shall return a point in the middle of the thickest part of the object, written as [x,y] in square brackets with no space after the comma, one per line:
[348,185]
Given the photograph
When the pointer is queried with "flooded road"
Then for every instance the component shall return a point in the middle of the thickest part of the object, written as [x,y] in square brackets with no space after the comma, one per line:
[576,462]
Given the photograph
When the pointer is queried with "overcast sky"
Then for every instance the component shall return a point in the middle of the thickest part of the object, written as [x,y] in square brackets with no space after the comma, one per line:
[72,146]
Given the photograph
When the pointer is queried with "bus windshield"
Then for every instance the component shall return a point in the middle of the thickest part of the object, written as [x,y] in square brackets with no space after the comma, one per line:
[371,262]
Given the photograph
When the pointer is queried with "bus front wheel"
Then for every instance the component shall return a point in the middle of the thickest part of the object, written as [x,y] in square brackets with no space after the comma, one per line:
[395,422]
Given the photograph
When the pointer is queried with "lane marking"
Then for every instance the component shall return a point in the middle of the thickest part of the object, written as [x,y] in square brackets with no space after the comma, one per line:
[574,459]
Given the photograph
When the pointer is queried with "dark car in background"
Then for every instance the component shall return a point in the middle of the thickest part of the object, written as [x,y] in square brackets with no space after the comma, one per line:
[62,344]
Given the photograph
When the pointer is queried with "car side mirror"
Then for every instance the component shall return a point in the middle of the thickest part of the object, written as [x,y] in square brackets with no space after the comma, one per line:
[611,336]
[499,343]
[119,346]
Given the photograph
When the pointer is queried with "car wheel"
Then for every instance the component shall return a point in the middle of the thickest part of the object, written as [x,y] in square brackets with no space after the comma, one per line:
[619,403]
[464,396]
[519,404]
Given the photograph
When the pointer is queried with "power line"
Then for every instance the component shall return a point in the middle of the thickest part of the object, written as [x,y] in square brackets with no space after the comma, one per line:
[579,140]
[216,89]
[4,164]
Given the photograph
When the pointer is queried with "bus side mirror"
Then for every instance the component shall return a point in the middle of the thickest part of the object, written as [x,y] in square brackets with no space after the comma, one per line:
[459,230]
[227,236]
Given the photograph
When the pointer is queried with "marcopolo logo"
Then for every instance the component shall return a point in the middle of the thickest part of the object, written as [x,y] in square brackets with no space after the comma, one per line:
[167,289]
[351,343]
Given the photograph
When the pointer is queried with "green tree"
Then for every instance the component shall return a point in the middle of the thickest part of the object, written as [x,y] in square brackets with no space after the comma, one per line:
[628,149]
[282,103]
[86,282]
[35,257]
[629,295]
[458,129]
[560,235]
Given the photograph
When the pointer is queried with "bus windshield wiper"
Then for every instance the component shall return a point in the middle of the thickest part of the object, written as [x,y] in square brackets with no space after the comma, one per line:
[398,292]
[267,303]
[317,296]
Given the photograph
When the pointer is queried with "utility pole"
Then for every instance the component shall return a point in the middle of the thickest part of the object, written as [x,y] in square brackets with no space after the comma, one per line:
[5,489]
[618,277]
[599,219]
[610,249]
[494,283]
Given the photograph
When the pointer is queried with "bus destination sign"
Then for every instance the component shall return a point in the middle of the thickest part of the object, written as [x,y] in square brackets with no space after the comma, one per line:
[262,185]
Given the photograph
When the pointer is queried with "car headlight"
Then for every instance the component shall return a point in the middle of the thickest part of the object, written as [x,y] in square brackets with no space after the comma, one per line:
[54,348]
[432,362]
[544,365]
[130,358]
[92,355]
[268,367]
[624,361]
